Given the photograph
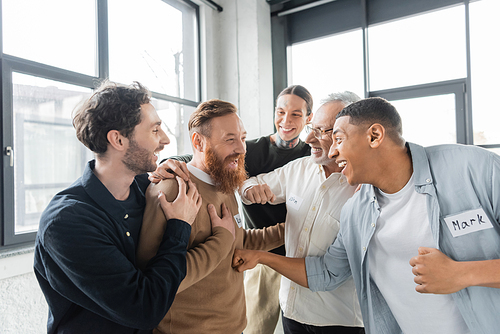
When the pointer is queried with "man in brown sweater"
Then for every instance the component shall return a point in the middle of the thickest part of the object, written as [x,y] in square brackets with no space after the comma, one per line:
[211,298]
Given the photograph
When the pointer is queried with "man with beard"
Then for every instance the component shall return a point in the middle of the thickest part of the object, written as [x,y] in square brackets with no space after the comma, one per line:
[86,243]
[211,298]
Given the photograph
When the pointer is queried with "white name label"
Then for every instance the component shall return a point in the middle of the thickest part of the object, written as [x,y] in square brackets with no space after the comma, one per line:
[294,201]
[468,222]
[238,220]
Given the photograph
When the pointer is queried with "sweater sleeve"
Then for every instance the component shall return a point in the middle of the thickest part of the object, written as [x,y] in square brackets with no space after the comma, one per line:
[201,259]
[84,261]
[266,238]
[206,256]
[154,222]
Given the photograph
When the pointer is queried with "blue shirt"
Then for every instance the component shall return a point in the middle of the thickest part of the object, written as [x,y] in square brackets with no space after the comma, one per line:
[85,262]
[455,179]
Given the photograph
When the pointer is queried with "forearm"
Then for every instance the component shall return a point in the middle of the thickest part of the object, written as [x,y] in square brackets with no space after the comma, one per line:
[479,273]
[435,272]
[292,268]
[266,238]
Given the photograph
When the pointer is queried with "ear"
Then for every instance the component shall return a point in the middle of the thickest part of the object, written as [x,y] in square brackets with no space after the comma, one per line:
[308,119]
[117,140]
[198,142]
[376,134]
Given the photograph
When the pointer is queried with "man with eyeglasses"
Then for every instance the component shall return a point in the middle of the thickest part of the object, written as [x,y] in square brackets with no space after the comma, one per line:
[314,191]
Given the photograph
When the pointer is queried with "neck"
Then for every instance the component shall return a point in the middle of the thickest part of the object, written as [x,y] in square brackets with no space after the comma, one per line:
[286,144]
[331,168]
[115,176]
[396,173]
[198,161]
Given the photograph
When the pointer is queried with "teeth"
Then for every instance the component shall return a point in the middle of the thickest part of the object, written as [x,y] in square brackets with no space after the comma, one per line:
[342,164]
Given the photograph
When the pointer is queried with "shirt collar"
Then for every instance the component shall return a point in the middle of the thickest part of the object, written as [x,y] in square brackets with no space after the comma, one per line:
[200,175]
[101,195]
[421,169]
[339,177]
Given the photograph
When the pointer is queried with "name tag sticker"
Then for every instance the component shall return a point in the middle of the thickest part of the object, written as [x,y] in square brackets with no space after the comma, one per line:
[468,222]
[294,202]
[238,220]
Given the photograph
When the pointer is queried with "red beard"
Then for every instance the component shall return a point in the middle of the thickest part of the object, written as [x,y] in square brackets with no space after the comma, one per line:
[226,180]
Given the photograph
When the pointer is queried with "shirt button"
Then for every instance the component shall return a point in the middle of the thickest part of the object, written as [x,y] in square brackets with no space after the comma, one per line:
[128,234]
[301,249]
[428,180]
[373,224]
[126,216]
[364,249]
[323,187]
[313,208]
[306,229]
[292,288]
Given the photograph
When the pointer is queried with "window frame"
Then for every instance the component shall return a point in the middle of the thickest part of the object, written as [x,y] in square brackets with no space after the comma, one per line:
[365,14]
[456,87]
[10,64]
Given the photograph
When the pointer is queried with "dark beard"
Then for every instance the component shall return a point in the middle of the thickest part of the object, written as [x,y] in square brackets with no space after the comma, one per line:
[138,159]
[226,180]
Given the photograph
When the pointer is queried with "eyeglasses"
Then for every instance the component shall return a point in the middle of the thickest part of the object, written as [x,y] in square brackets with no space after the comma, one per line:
[318,133]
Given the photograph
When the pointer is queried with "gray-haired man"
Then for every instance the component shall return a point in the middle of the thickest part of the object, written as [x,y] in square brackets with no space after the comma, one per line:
[314,191]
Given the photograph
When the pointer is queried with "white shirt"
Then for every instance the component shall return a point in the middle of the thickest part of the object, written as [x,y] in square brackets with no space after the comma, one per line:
[402,227]
[313,205]
[200,175]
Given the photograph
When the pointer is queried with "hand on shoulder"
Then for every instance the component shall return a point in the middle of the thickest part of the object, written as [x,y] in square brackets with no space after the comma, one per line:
[185,206]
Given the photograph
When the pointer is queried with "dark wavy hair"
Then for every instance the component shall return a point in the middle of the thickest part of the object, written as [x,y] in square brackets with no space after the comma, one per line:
[111,107]
[301,92]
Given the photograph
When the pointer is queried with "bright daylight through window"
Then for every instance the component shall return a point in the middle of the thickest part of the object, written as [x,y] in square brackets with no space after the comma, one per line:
[52,61]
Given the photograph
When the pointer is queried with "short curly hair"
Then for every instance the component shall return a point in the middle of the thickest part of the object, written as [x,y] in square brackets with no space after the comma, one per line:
[111,107]
[375,110]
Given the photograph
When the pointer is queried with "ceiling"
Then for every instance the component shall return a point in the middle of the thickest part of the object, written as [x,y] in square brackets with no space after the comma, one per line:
[282,5]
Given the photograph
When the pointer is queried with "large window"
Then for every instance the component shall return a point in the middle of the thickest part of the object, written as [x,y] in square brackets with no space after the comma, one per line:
[420,49]
[485,68]
[435,60]
[54,53]
[327,65]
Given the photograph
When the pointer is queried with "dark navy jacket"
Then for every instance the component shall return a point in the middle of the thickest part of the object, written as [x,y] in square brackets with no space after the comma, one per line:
[85,263]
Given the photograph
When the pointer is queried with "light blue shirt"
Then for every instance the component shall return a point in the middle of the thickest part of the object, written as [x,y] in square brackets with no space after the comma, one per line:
[456,179]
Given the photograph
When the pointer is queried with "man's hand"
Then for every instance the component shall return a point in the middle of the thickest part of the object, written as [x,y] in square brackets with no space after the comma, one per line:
[226,221]
[168,170]
[185,206]
[244,259]
[260,194]
[436,273]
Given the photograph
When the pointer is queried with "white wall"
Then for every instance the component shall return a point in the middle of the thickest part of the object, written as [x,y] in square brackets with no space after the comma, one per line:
[237,54]
[22,305]
[236,58]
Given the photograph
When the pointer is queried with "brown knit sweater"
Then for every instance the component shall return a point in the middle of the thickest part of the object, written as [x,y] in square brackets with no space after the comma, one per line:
[211,298]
